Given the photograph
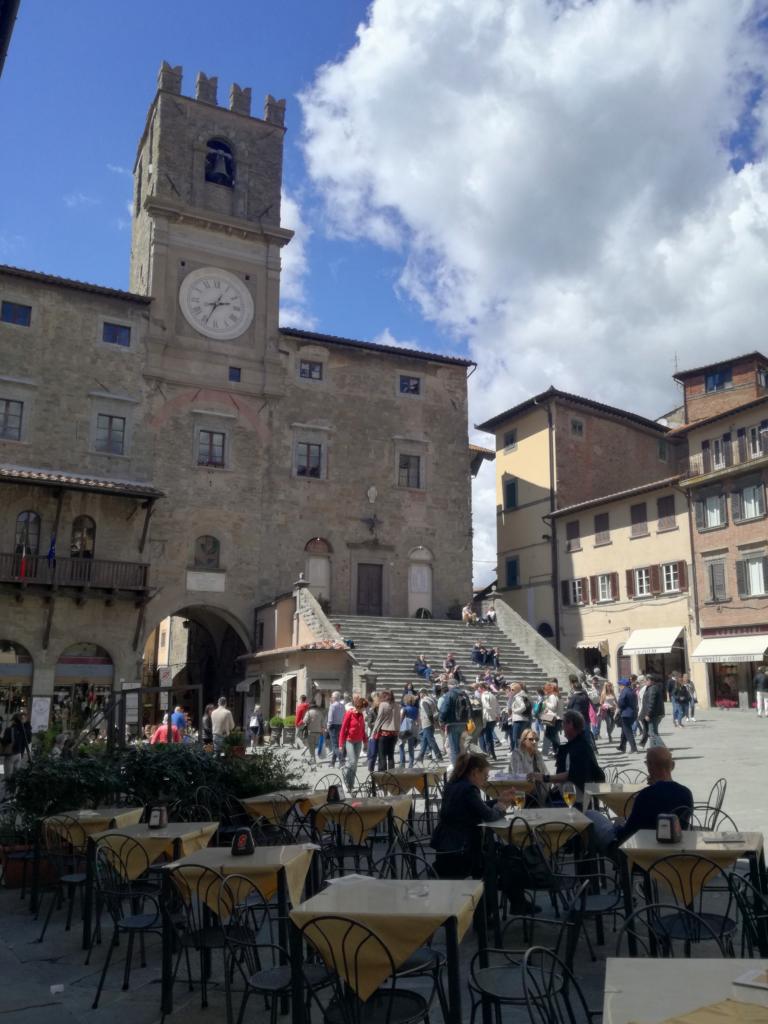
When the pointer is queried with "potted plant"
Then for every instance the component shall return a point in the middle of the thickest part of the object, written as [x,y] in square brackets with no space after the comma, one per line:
[289,730]
[275,729]
[234,744]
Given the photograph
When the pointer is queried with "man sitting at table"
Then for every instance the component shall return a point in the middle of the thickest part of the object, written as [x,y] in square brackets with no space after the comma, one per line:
[662,796]
[575,761]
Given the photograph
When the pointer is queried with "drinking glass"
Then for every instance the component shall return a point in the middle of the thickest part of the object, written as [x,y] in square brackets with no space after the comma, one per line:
[569,794]
[519,799]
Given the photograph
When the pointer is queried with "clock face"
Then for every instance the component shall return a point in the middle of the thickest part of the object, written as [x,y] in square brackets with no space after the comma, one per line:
[216,303]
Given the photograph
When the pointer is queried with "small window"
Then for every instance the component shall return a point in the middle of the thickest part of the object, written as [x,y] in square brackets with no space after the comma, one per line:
[714,511]
[762,378]
[643,582]
[577,591]
[234,374]
[752,502]
[639,520]
[309,459]
[663,449]
[110,434]
[602,528]
[206,555]
[410,385]
[510,494]
[409,471]
[116,334]
[671,577]
[752,576]
[716,580]
[15,313]
[718,453]
[219,163]
[604,587]
[513,572]
[755,443]
[510,439]
[83,540]
[10,419]
[310,369]
[210,448]
[665,512]
[27,533]
[572,536]
[719,380]
[577,428]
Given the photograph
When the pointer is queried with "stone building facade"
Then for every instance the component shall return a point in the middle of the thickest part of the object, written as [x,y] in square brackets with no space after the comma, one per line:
[214,451]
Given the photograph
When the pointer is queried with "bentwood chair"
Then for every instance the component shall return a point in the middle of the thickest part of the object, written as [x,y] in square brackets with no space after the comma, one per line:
[552,993]
[336,829]
[692,882]
[194,920]
[691,936]
[753,908]
[64,842]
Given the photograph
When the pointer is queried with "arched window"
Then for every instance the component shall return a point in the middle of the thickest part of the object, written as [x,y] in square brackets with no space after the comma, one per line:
[207,550]
[15,679]
[546,630]
[82,683]
[83,537]
[27,533]
[317,567]
[219,163]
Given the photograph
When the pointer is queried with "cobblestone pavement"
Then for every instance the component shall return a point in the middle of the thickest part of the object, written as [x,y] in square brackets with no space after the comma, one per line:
[730,744]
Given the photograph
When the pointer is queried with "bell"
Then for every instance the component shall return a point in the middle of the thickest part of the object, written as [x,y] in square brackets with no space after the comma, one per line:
[219,172]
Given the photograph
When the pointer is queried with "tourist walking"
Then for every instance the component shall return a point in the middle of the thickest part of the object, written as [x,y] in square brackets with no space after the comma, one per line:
[256,726]
[520,711]
[409,728]
[760,683]
[607,712]
[336,712]
[385,730]
[653,702]
[490,709]
[352,736]
[16,740]
[680,699]
[206,725]
[222,724]
[428,722]
[314,722]
[549,716]
[692,699]
[627,711]
[454,711]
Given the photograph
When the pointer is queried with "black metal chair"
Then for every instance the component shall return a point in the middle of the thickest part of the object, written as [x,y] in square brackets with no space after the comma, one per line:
[330,779]
[552,994]
[631,777]
[267,833]
[234,816]
[193,918]
[64,841]
[688,880]
[405,865]
[132,908]
[344,946]
[342,836]
[647,928]
[753,908]
[500,982]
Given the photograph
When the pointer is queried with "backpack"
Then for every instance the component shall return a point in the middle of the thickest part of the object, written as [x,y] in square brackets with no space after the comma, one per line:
[462,709]
[537,708]
[527,707]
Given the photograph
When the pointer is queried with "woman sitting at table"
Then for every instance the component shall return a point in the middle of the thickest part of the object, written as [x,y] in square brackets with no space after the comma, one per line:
[527,760]
[457,840]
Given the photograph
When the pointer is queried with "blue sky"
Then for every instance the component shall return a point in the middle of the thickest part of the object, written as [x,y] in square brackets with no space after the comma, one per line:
[571,193]
[77,83]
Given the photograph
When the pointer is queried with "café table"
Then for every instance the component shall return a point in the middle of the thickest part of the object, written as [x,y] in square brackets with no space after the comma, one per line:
[88,820]
[503,782]
[274,870]
[512,830]
[371,812]
[617,796]
[174,840]
[404,915]
[642,850]
[275,806]
[653,990]
[398,781]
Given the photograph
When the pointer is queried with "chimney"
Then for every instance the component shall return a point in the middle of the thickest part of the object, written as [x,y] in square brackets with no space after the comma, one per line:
[240,100]
[274,110]
[169,79]
[205,88]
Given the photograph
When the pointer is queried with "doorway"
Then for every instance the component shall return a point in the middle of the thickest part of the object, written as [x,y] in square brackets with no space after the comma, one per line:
[369,589]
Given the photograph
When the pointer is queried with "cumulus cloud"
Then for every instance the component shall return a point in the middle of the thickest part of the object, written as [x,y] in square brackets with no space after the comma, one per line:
[118,169]
[578,190]
[386,337]
[293,298]
[74,199]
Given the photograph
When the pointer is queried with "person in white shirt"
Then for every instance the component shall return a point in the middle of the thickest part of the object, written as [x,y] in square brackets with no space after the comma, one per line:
[336,712]
[490,708]
[222,724]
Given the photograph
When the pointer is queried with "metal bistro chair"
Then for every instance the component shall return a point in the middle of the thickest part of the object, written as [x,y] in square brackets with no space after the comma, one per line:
[192,918]
[753,907]
[64,841]
[687,879]
[344,945]
[330,779]
[134,910]
[501,982]
[337,837]
[631,777]
[552,994]
[654,939]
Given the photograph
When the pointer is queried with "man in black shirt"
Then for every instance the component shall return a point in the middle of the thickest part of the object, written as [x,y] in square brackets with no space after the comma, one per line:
[575,760]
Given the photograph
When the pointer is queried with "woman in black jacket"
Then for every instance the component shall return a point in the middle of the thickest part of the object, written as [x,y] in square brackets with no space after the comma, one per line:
[457,838]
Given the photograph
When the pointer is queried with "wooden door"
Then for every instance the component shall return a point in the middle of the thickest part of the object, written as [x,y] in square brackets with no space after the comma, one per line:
[369,586]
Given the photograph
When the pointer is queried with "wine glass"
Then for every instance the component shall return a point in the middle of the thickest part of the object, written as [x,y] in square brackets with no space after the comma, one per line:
[519,799]
[569,794]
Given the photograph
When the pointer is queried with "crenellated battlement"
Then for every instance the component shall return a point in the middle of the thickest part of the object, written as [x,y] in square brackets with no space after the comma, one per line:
[169,79]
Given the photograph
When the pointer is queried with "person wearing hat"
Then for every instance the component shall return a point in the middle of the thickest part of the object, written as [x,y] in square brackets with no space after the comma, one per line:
[627,716]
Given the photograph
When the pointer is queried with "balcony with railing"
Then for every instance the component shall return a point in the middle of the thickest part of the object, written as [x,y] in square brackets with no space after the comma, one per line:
[724,459]
[83,573]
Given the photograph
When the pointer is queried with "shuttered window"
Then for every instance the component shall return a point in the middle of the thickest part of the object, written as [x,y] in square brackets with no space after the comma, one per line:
[602,528]
[716,580]
[710,512]
[572,536]
[510,493]
[643,582]
[752,576]
[670,577]
[748,502]
[665,512]
[639,519]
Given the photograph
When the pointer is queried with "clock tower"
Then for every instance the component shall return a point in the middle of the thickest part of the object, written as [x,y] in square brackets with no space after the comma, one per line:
[206,234]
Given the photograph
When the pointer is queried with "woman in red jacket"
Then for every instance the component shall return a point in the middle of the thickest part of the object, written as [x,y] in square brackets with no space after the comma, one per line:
[352,737]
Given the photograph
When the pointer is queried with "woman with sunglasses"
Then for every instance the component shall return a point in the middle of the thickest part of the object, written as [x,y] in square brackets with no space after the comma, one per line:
[526,760]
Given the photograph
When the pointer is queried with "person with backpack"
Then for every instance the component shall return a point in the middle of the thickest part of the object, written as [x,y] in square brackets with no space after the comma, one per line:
[427,722]
[520,713]
[680,699]
[454,711]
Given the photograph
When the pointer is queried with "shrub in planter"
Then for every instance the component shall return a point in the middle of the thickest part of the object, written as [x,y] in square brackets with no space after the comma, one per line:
[276,724]
[289,729]
[234,744]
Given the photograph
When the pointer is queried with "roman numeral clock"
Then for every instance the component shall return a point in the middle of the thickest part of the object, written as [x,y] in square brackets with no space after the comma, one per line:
[216,303]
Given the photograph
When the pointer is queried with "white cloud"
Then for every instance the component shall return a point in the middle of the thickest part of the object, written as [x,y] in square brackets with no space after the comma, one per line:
[386,337]
[293,299]
[74,199]
[118,169]
[556,178]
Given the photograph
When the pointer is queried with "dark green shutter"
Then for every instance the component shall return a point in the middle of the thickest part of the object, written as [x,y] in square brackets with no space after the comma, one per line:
[741,579]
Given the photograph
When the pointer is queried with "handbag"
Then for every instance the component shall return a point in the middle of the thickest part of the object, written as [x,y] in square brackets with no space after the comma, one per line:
[548,717]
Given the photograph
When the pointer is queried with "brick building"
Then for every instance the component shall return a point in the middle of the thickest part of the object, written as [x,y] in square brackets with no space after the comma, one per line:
[177,453]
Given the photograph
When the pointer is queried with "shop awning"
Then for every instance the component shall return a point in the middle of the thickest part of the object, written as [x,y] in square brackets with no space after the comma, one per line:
[283,679]
[652,641]
[245,684]
[590,645]
[732,648]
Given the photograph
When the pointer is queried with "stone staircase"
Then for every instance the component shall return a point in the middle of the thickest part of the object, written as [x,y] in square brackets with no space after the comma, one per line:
[392,646]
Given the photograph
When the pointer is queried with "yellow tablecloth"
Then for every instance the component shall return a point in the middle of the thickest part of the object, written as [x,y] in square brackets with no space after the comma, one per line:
[508,784]
[272,806]
[722,1013]
[402,920]
[619,797]
[261,867]
[358,817]
[189,837]
[91,821]
[401,780]
[686,875]
[545,819]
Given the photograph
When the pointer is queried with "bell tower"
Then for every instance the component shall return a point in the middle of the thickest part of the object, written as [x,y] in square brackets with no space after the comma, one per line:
[206,235]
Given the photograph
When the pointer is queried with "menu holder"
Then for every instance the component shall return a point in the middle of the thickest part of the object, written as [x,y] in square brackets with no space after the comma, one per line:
[723,837]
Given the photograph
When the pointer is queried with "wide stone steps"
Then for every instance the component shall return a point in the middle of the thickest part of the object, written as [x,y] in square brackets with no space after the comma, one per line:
[392,645]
